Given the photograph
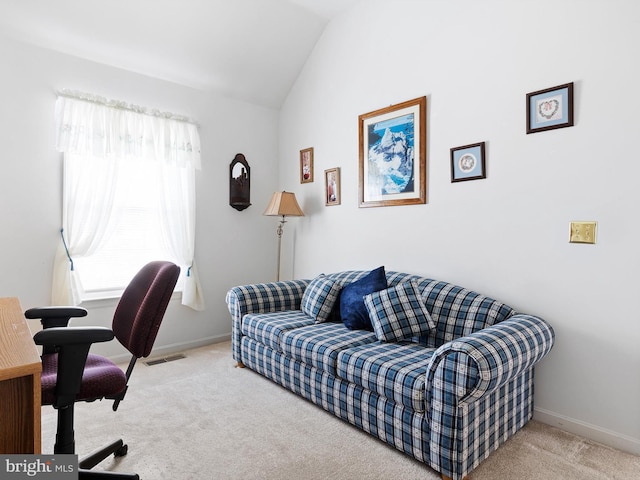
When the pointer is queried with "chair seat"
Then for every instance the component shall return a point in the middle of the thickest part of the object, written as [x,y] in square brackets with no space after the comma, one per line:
[101,378]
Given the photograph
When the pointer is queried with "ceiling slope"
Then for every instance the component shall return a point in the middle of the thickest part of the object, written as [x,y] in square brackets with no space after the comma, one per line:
[251,50]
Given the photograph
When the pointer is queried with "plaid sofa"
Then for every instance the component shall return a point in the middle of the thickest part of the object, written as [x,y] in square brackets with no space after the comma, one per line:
[447,399]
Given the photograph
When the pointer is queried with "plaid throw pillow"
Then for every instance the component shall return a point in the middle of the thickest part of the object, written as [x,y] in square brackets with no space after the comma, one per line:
[319,297]
[399,313]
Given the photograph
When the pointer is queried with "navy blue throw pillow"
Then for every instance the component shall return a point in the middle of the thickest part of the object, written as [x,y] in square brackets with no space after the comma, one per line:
[352,308]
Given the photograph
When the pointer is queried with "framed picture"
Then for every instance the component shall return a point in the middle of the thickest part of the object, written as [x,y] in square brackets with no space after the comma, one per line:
[306,165]
[468,162]
[332,186]
[550,108]
[392,162]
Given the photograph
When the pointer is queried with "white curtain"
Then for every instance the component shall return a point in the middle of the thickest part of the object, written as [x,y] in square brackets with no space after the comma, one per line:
[87,212]
[92,129]
[179,225]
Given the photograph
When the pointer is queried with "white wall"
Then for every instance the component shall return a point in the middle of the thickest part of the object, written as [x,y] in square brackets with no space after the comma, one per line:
[507,235]
[230,246]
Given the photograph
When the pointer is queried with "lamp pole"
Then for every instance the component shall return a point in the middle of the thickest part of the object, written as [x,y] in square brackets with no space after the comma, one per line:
[279,232]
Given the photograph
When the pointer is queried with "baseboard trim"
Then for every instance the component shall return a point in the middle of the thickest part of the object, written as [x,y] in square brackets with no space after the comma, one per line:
[163,350]
[587,430]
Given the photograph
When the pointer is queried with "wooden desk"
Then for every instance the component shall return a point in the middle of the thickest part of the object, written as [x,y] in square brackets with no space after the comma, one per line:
[20,369]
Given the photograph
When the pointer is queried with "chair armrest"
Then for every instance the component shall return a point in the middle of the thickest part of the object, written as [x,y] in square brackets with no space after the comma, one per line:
[61,336]
[55,316]
[71,345]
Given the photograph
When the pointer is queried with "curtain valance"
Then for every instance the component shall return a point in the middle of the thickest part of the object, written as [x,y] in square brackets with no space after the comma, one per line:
[93,126]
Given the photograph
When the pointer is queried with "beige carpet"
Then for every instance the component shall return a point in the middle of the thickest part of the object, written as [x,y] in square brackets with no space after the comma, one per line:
[201,418]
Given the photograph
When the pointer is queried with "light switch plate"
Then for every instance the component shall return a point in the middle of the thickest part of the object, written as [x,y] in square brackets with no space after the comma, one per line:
[583,232]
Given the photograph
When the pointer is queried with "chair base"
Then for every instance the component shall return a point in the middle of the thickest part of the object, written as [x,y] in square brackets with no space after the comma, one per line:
[90,474]
[119,449]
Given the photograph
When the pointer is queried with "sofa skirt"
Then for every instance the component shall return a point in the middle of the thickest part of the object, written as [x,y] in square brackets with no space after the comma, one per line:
[394,424]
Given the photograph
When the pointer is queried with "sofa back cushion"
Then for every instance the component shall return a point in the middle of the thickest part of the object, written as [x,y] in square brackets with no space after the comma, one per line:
[457,311]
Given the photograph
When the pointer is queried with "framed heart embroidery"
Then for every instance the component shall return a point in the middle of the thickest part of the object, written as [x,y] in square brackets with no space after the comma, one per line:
[550,108]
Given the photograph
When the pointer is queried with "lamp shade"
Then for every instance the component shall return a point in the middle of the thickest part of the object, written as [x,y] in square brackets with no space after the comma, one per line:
[284,204]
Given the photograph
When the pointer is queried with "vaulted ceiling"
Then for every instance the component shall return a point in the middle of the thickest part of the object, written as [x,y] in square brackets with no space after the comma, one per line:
[251,50]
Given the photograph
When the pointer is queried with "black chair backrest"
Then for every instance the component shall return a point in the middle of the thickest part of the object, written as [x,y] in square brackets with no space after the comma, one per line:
[142,306]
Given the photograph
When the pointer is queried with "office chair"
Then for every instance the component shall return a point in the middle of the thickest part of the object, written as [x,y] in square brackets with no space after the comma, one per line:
[71,374]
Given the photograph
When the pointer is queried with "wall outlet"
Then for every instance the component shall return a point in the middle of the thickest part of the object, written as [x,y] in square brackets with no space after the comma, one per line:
[583,232]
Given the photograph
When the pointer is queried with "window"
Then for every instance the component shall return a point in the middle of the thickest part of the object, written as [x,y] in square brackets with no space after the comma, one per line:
[128,198]
[134,236]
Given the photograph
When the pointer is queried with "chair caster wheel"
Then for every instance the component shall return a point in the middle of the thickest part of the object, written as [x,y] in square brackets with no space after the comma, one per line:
[122,451]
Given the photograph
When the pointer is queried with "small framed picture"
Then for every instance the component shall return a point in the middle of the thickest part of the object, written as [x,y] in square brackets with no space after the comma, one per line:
[468,162]
[332,186]
[306,165]
[550,108]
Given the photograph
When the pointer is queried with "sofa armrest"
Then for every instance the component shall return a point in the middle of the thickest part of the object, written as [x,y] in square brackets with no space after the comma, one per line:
[478,364]
[266,297]
[261,298]
[463,389]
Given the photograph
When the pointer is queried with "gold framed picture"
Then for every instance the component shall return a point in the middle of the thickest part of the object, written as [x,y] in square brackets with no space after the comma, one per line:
[392,163]
[306,165]
[332,186]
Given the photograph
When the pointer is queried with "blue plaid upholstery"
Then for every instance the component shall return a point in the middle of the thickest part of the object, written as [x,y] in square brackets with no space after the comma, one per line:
[268,328]
[319,345]
[479,390]
[448,399]
[319,298]
[349,276]
[392,423]
[399,312]
[459,312]
[395,371]
[261,298]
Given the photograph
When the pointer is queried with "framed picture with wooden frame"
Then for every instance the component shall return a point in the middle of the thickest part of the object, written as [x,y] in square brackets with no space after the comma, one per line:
[332,186]
[468,162]
[392,161]
[550,108]
[306,165]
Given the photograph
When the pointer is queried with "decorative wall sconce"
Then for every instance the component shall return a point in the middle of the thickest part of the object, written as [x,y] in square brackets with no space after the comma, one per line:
[239,183]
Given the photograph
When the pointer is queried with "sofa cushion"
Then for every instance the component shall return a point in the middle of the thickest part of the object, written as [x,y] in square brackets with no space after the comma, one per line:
[319,344]
[394,370]
[399,313]
[352,309]
[459,312]
[319,298]
[267,328]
